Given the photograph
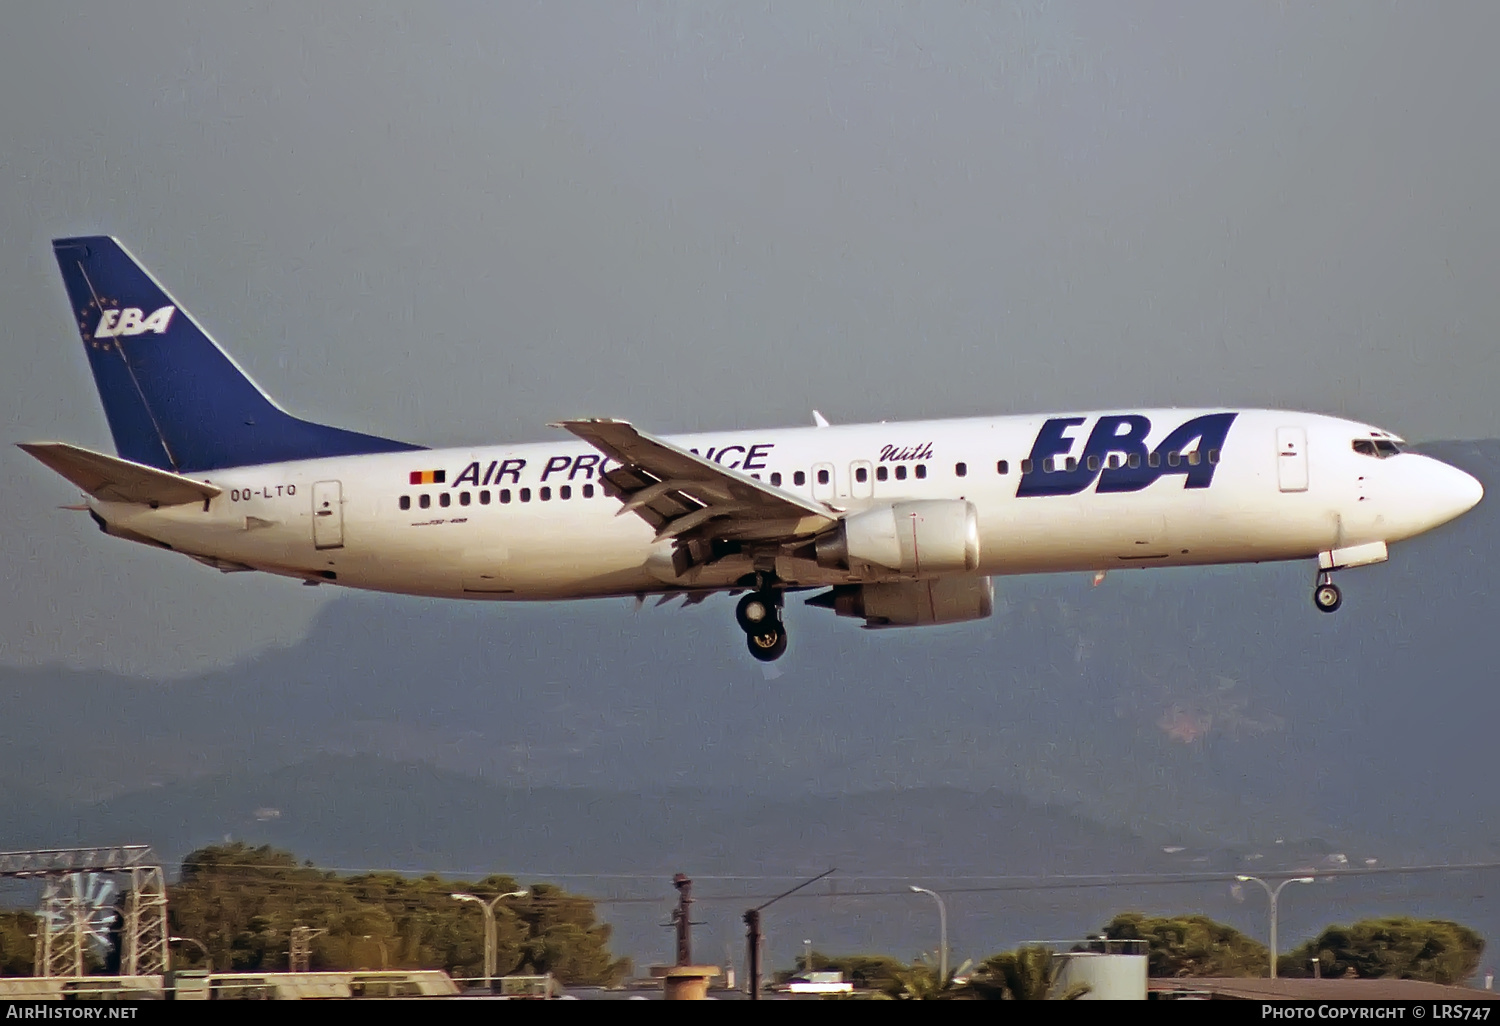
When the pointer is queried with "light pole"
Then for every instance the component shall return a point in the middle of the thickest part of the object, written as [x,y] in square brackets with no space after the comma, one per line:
[943,932]
[384,960]
[208,960]
[489,929]
[1274,895]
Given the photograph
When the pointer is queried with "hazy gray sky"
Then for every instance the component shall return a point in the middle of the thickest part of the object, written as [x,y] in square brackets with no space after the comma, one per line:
[457,222]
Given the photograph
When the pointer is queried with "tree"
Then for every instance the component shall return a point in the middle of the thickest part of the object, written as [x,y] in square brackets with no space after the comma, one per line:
[1191,945]
[17,943]
[1399,947]
[243,902]
[1026,974]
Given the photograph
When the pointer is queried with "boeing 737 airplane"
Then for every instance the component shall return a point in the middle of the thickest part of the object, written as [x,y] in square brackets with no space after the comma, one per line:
[900,525]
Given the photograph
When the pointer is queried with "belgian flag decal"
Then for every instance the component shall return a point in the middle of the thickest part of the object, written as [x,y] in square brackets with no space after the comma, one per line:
[420,477]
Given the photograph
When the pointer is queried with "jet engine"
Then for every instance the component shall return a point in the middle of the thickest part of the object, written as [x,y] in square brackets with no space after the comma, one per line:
[936,536]
[912,603]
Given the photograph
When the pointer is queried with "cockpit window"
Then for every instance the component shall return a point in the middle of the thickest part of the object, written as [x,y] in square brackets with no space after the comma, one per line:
[1380,448]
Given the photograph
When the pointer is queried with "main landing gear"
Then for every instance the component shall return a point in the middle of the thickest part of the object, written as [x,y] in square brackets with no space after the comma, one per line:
[1326,594]
[759,616]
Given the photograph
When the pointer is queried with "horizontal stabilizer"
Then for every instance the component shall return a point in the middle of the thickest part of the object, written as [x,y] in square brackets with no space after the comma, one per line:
[115,480]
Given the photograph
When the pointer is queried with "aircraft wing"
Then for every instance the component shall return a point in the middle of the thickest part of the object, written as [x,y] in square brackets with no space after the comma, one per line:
[115,480]
[682,495]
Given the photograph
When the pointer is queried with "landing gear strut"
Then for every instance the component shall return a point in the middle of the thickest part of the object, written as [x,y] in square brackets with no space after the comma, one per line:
[1326,594]
[759,616]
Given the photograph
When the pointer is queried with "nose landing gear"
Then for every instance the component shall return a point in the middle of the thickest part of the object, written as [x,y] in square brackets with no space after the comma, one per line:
[1326,594]
[759,616]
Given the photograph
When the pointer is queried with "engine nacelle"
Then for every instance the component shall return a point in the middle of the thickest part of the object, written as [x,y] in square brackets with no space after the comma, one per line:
[913,603]
[936,536]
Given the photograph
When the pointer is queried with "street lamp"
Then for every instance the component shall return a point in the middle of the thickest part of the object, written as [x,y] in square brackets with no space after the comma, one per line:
[1274,895]
[489,928]
[208,960]
[943,932]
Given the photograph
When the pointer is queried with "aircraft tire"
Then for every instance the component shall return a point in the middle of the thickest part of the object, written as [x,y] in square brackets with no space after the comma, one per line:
[757,611]
[1327,597]
[768,646]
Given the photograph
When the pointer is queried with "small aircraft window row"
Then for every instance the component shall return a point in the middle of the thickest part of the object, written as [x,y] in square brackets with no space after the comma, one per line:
[1133,460]
[544,493]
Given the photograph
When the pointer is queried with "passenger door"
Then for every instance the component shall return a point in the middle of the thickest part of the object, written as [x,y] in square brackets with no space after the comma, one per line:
[1291,459]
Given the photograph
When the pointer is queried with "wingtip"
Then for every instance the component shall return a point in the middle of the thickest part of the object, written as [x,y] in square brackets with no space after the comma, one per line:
[568,425]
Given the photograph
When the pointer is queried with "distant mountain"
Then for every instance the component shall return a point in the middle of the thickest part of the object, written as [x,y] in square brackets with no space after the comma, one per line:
[1212,708]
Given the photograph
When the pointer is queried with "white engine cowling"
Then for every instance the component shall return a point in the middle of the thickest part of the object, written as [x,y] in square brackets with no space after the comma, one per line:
[913,603]
[936,536]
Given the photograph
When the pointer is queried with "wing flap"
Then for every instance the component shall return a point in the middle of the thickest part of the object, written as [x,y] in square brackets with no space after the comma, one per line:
[684,496]
[112,479]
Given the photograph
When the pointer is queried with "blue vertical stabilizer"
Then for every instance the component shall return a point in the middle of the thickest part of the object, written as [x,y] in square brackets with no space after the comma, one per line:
[173,398]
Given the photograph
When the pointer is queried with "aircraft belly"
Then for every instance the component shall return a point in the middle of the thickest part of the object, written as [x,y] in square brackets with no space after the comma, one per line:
[1100,532]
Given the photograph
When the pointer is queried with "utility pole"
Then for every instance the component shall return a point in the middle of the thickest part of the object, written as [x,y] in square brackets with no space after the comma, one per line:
[753,936]
[682,919]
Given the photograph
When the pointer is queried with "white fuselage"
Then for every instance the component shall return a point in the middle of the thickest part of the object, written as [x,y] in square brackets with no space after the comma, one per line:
[1283,486]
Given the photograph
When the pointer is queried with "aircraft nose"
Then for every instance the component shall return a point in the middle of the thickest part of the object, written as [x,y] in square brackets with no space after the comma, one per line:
[1453,492]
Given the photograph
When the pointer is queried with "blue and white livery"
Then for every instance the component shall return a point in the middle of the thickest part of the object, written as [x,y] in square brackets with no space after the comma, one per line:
[897,524]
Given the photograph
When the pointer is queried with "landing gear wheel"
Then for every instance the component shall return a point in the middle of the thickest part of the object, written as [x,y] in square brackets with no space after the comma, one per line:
[758,611]
[1327,597]
[769,645]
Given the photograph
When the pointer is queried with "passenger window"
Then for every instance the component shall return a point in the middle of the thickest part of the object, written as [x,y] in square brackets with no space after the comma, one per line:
[881,473]
[1072,464]
[1026,465]
[463,498]
[505,495]
[861,474]
[546,495]
[776,478]
[445,500]
[1114,462]
[424,500]
[799,479]
[1093,463]
[588,491]
[1193,458]
[1173,458]
[565,492]
[1003,467]
[1154,460]
[756,476]
[525,494]
[921,470]
[1213,456]
[406,502]
[1047,465]
[484,497]
[901,472]
[1133,460]
[822,477]
[960,470]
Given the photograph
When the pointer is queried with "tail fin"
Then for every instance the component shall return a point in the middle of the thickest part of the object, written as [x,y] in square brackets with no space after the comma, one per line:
[173,398]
